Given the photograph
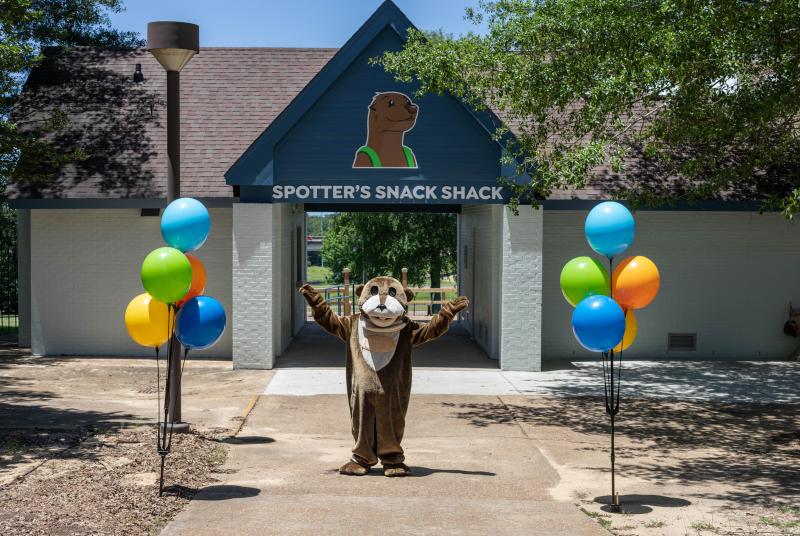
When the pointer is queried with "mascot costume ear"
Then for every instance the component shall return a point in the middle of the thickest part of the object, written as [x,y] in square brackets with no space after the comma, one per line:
[359,288]
[409,294]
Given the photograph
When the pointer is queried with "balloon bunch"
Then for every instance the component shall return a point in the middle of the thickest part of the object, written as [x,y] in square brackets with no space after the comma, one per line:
[175,281]
[603,320]
[173,308]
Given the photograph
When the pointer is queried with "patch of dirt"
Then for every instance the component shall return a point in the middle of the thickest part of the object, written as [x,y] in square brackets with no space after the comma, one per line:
[106,484]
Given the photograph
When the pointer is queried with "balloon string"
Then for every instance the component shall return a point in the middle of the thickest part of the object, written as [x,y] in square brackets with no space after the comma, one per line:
[158,399]
[605,379]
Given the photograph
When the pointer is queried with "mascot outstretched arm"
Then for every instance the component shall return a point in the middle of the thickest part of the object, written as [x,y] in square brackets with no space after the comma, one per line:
[380,338]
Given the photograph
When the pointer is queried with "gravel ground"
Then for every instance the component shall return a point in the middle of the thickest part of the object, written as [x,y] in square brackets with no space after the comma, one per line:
[89,482]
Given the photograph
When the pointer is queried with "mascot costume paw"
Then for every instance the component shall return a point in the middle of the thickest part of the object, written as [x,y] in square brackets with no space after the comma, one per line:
[379,340]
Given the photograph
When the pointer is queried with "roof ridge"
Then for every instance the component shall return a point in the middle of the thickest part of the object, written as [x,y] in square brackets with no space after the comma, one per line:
[142,49]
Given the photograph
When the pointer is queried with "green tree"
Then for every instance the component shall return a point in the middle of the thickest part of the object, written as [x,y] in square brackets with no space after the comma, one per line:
[317,224]
[680,99]
[26,26]
[373,244]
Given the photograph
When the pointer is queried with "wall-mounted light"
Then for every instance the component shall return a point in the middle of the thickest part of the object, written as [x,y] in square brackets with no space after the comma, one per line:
[137,74]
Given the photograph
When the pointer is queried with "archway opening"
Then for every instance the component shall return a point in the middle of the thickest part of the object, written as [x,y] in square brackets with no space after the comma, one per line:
[420,246]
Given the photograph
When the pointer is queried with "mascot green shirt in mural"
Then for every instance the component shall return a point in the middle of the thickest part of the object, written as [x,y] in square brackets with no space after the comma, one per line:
[389,116]
[411,160]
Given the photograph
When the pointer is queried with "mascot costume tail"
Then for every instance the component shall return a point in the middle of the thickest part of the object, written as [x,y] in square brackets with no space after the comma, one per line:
[380,338]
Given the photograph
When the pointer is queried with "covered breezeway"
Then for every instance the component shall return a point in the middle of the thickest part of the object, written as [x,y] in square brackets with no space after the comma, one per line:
[468,343]
[499,267]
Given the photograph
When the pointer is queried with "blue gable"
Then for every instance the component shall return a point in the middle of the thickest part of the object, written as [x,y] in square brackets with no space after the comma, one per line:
[307,154]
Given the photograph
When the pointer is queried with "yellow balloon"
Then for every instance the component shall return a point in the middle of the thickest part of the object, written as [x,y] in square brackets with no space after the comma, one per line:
[630,332]
[148,320]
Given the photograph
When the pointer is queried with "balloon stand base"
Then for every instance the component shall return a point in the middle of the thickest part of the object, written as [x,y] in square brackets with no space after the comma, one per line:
[615,506]
[177,427]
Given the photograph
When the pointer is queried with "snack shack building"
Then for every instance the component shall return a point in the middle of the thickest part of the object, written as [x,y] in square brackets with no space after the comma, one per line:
[269,134]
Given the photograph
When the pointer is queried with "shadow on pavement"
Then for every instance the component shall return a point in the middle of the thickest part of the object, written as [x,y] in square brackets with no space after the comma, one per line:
[689,442]
[30,425]
[640,504]
[246,440]
[225,492]
[425,471]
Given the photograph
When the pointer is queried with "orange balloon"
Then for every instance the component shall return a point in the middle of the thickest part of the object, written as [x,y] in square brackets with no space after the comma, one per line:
[198,285]
[631,327]
[635,282]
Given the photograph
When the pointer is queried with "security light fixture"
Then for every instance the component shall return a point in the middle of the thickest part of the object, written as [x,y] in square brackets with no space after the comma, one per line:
[173,43]
[137,73]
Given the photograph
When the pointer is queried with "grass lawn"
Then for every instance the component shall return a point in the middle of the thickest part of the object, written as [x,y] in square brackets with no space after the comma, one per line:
[9,322]
[319,274]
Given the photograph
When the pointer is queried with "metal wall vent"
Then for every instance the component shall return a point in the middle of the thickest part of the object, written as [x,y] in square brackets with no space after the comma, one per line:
[681,342]
[151,212]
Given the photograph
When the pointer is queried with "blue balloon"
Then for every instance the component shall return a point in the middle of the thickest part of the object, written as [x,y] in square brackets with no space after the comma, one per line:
[185,224]
[609,228]
[598,323]
[201,322]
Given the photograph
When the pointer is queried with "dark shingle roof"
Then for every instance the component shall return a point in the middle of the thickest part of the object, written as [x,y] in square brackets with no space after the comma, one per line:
[228,97]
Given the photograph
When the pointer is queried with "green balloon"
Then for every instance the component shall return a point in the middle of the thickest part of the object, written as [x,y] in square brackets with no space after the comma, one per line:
[166,274]
[583,277]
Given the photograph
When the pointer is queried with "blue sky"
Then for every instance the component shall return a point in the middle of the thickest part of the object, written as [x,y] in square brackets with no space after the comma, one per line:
[286,23]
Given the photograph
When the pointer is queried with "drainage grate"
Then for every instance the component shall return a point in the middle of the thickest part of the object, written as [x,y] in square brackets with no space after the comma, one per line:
[681,342]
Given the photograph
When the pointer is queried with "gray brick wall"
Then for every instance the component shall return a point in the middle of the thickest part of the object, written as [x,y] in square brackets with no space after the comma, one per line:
[727,276]
[252,275]
[521,301]
[85,269]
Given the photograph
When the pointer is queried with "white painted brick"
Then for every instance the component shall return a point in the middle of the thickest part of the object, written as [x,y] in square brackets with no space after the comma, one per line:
[521,300]
[727,276]
[263,286]
[85,269]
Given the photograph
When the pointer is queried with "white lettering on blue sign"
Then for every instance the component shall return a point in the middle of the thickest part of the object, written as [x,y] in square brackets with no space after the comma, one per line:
[386,192]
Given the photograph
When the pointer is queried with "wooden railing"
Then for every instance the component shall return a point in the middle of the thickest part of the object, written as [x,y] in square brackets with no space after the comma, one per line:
[426,303]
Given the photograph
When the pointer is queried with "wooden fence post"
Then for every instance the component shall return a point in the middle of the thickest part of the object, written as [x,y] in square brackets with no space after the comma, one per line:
[346,276]
[405,277]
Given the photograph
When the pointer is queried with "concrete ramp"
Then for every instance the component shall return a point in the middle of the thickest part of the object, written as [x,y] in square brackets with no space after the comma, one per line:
[282,478]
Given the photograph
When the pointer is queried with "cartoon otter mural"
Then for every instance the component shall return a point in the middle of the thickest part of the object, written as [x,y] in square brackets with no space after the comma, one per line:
[379,338]
[389,116]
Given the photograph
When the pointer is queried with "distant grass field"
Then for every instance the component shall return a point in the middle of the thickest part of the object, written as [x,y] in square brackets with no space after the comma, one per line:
[9,322]
[319,274]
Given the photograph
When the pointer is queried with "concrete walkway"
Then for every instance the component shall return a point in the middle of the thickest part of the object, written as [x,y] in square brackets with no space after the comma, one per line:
[468,479]
[742,381]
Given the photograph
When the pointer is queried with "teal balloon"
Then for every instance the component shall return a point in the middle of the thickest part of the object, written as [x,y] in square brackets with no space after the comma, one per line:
[609,228]
[166,274]
[583,277]
[185,224]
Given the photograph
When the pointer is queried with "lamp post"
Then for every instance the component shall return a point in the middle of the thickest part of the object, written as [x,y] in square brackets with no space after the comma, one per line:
[173,44]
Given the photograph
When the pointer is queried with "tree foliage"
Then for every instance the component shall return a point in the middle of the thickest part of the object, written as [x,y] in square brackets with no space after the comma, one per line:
[374,244]
[26,26]
[675,99]
[317,224]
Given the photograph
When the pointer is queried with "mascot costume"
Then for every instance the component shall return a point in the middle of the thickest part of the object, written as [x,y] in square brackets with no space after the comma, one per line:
[379,340]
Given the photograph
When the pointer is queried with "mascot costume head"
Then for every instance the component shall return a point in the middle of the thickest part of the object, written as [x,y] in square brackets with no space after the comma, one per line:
[380,338]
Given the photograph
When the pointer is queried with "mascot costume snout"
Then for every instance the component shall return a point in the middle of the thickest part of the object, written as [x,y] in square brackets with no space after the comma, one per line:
[379,340]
